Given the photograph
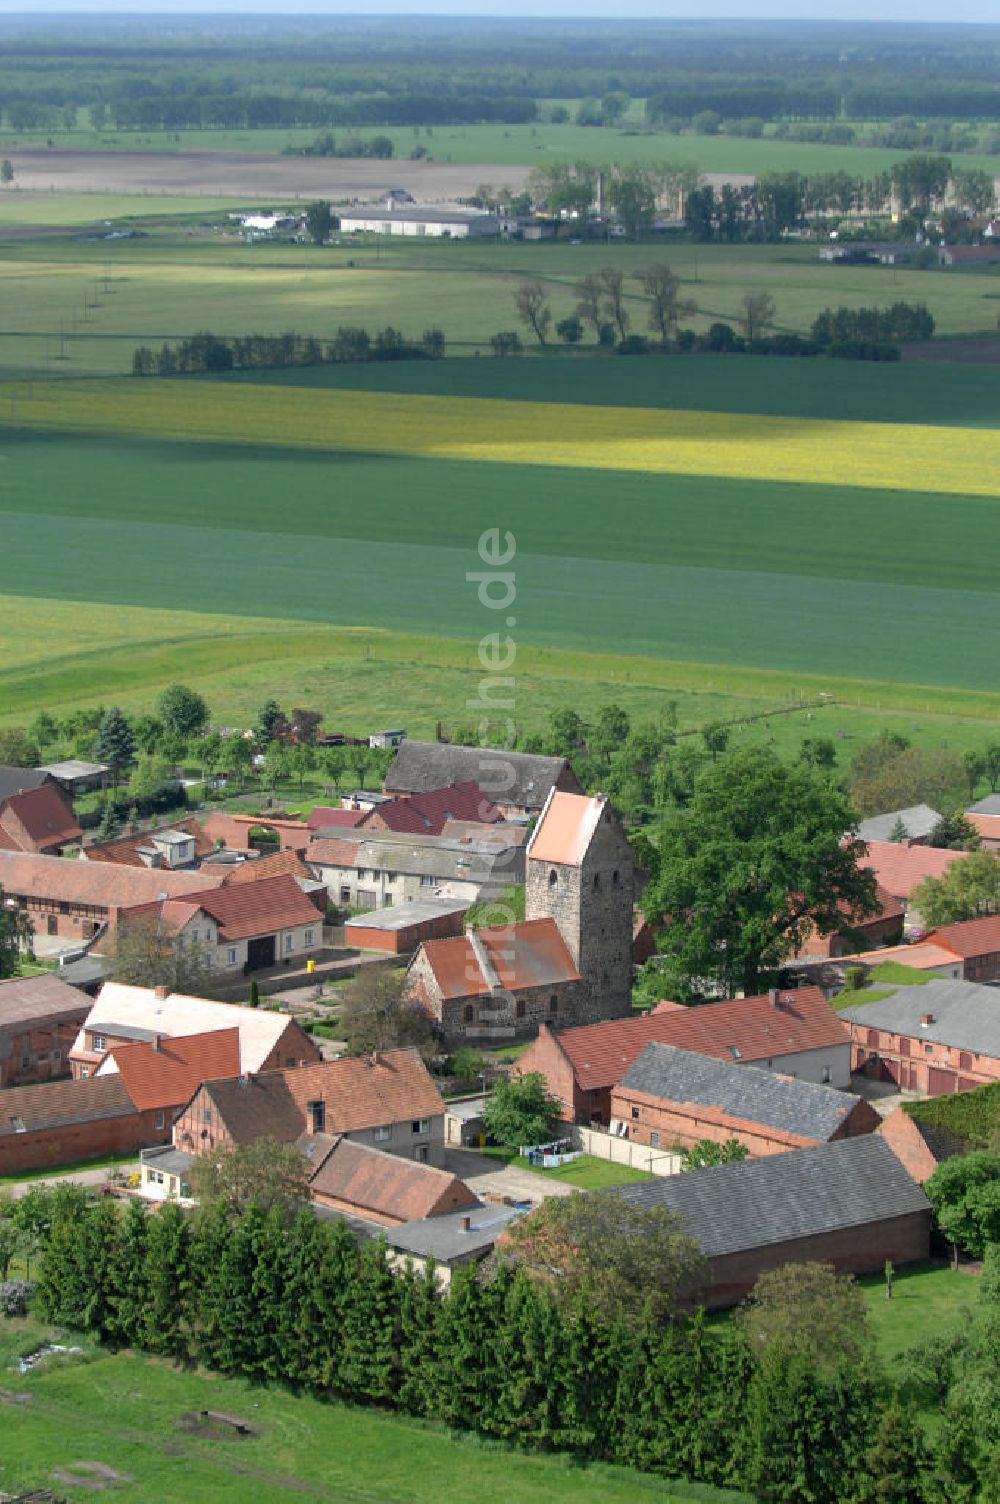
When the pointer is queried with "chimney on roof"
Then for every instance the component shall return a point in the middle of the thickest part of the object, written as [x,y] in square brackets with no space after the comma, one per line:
[161,992]
[774,997]
[466,1224]
[156,1043]
[926,1019]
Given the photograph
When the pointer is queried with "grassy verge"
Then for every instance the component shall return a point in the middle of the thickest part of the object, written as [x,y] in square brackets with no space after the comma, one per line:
[926,1299]
[588,1173]
[110,1162]
[125,1412]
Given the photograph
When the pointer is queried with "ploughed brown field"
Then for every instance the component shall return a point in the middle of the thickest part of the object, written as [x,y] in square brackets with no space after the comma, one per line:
[239,174]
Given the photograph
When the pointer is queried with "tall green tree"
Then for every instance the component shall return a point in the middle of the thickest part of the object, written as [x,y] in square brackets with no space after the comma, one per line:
[522,1111]
[756,859]
[970,889]
[532,302]
[319,221]
[182,711]
[115,744]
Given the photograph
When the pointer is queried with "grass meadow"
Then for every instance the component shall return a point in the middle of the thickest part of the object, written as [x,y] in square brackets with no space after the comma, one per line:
[73,306]
[125,1413]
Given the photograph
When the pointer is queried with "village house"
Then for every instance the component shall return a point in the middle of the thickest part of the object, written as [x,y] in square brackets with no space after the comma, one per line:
[364,1181]
[373,872]
[569,961]
[793,1032]
[850,1204]
[387,1100]
[330,817]
[161,1075]
[931,1038]
[900,867]
[62,1122]
[884,927]
[670,1097]
[78,900]
[914,824]
[122,1015]
[39,1019]
[181,844]
[519,783]
[428,813]
[984,817]
[14,780]
[39,821]
[976,944]
[245,926]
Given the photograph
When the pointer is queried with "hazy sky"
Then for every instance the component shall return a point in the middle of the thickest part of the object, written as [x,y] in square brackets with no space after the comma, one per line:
[833,10]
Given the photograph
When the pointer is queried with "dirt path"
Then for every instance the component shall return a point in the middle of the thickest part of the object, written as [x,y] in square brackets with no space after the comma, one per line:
[237,174]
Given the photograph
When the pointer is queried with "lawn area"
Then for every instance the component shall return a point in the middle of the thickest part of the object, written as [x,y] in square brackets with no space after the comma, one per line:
[109,1162]
[124,1412]
[927,1299]
[588,1173]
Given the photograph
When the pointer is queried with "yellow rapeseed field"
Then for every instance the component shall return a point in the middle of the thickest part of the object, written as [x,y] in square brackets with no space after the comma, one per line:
[905,457]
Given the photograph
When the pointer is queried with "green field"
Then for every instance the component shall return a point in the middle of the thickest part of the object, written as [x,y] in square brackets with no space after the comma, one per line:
[73,305]
[525,145]
[125,1413]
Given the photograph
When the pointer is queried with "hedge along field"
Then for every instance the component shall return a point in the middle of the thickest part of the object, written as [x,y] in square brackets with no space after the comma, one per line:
[899,457]
[687,569]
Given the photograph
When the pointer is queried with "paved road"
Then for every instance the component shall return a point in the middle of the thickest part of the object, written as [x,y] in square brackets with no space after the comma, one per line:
[79,1177]
[489,1178]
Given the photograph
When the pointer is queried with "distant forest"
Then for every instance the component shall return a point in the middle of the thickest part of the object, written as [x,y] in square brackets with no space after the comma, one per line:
[150,73]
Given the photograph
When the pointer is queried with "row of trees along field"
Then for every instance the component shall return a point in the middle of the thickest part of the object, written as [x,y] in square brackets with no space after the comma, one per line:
[583,1339]
[207,353]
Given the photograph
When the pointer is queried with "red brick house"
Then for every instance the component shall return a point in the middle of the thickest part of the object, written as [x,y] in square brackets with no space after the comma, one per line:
[976,942]
[793,1032]
[38,821]
[670,1097]
[77,899]
[428,813]
[278,864]
[387,1100]
[857,933]
[40,1018]
[140,848]
[900,866]
[933,1038]
[62,1122]
[363,1181]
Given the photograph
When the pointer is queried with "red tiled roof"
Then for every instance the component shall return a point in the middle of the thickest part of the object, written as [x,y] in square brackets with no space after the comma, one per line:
[386,1186]
[531,953]
[988,826]
[168,1075]
[268,866]
[243,909]
[123,850]
[900,867]
[923,956]
[566,828]
[45,814]
[41,999]
[99,884]
[357,1093]
[325,814]
[332,852]
[427,814]
[969,937]
[600,1054]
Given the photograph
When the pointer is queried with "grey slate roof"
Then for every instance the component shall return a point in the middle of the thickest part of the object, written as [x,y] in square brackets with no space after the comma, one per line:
[804,1193]
[918,821]
[988,806]
[965,1015]
[740,1091]
[448,860]
[444,1239]
[17,780]
[507,777]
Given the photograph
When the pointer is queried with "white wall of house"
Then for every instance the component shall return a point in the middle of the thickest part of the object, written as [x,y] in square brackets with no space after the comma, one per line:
[368,888]
[826,1067]
[231,955]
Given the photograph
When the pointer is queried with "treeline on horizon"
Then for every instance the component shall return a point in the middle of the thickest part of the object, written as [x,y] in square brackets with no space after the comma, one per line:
[404,71]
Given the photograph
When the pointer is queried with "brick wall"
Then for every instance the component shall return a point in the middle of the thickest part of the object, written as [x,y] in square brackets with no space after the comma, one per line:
[855,1250]
[908,1144]
[919,1064]
[685,1123]
[44,1046]
[72,1142]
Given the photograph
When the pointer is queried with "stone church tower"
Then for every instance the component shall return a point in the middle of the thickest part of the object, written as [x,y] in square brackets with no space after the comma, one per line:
[580,873]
